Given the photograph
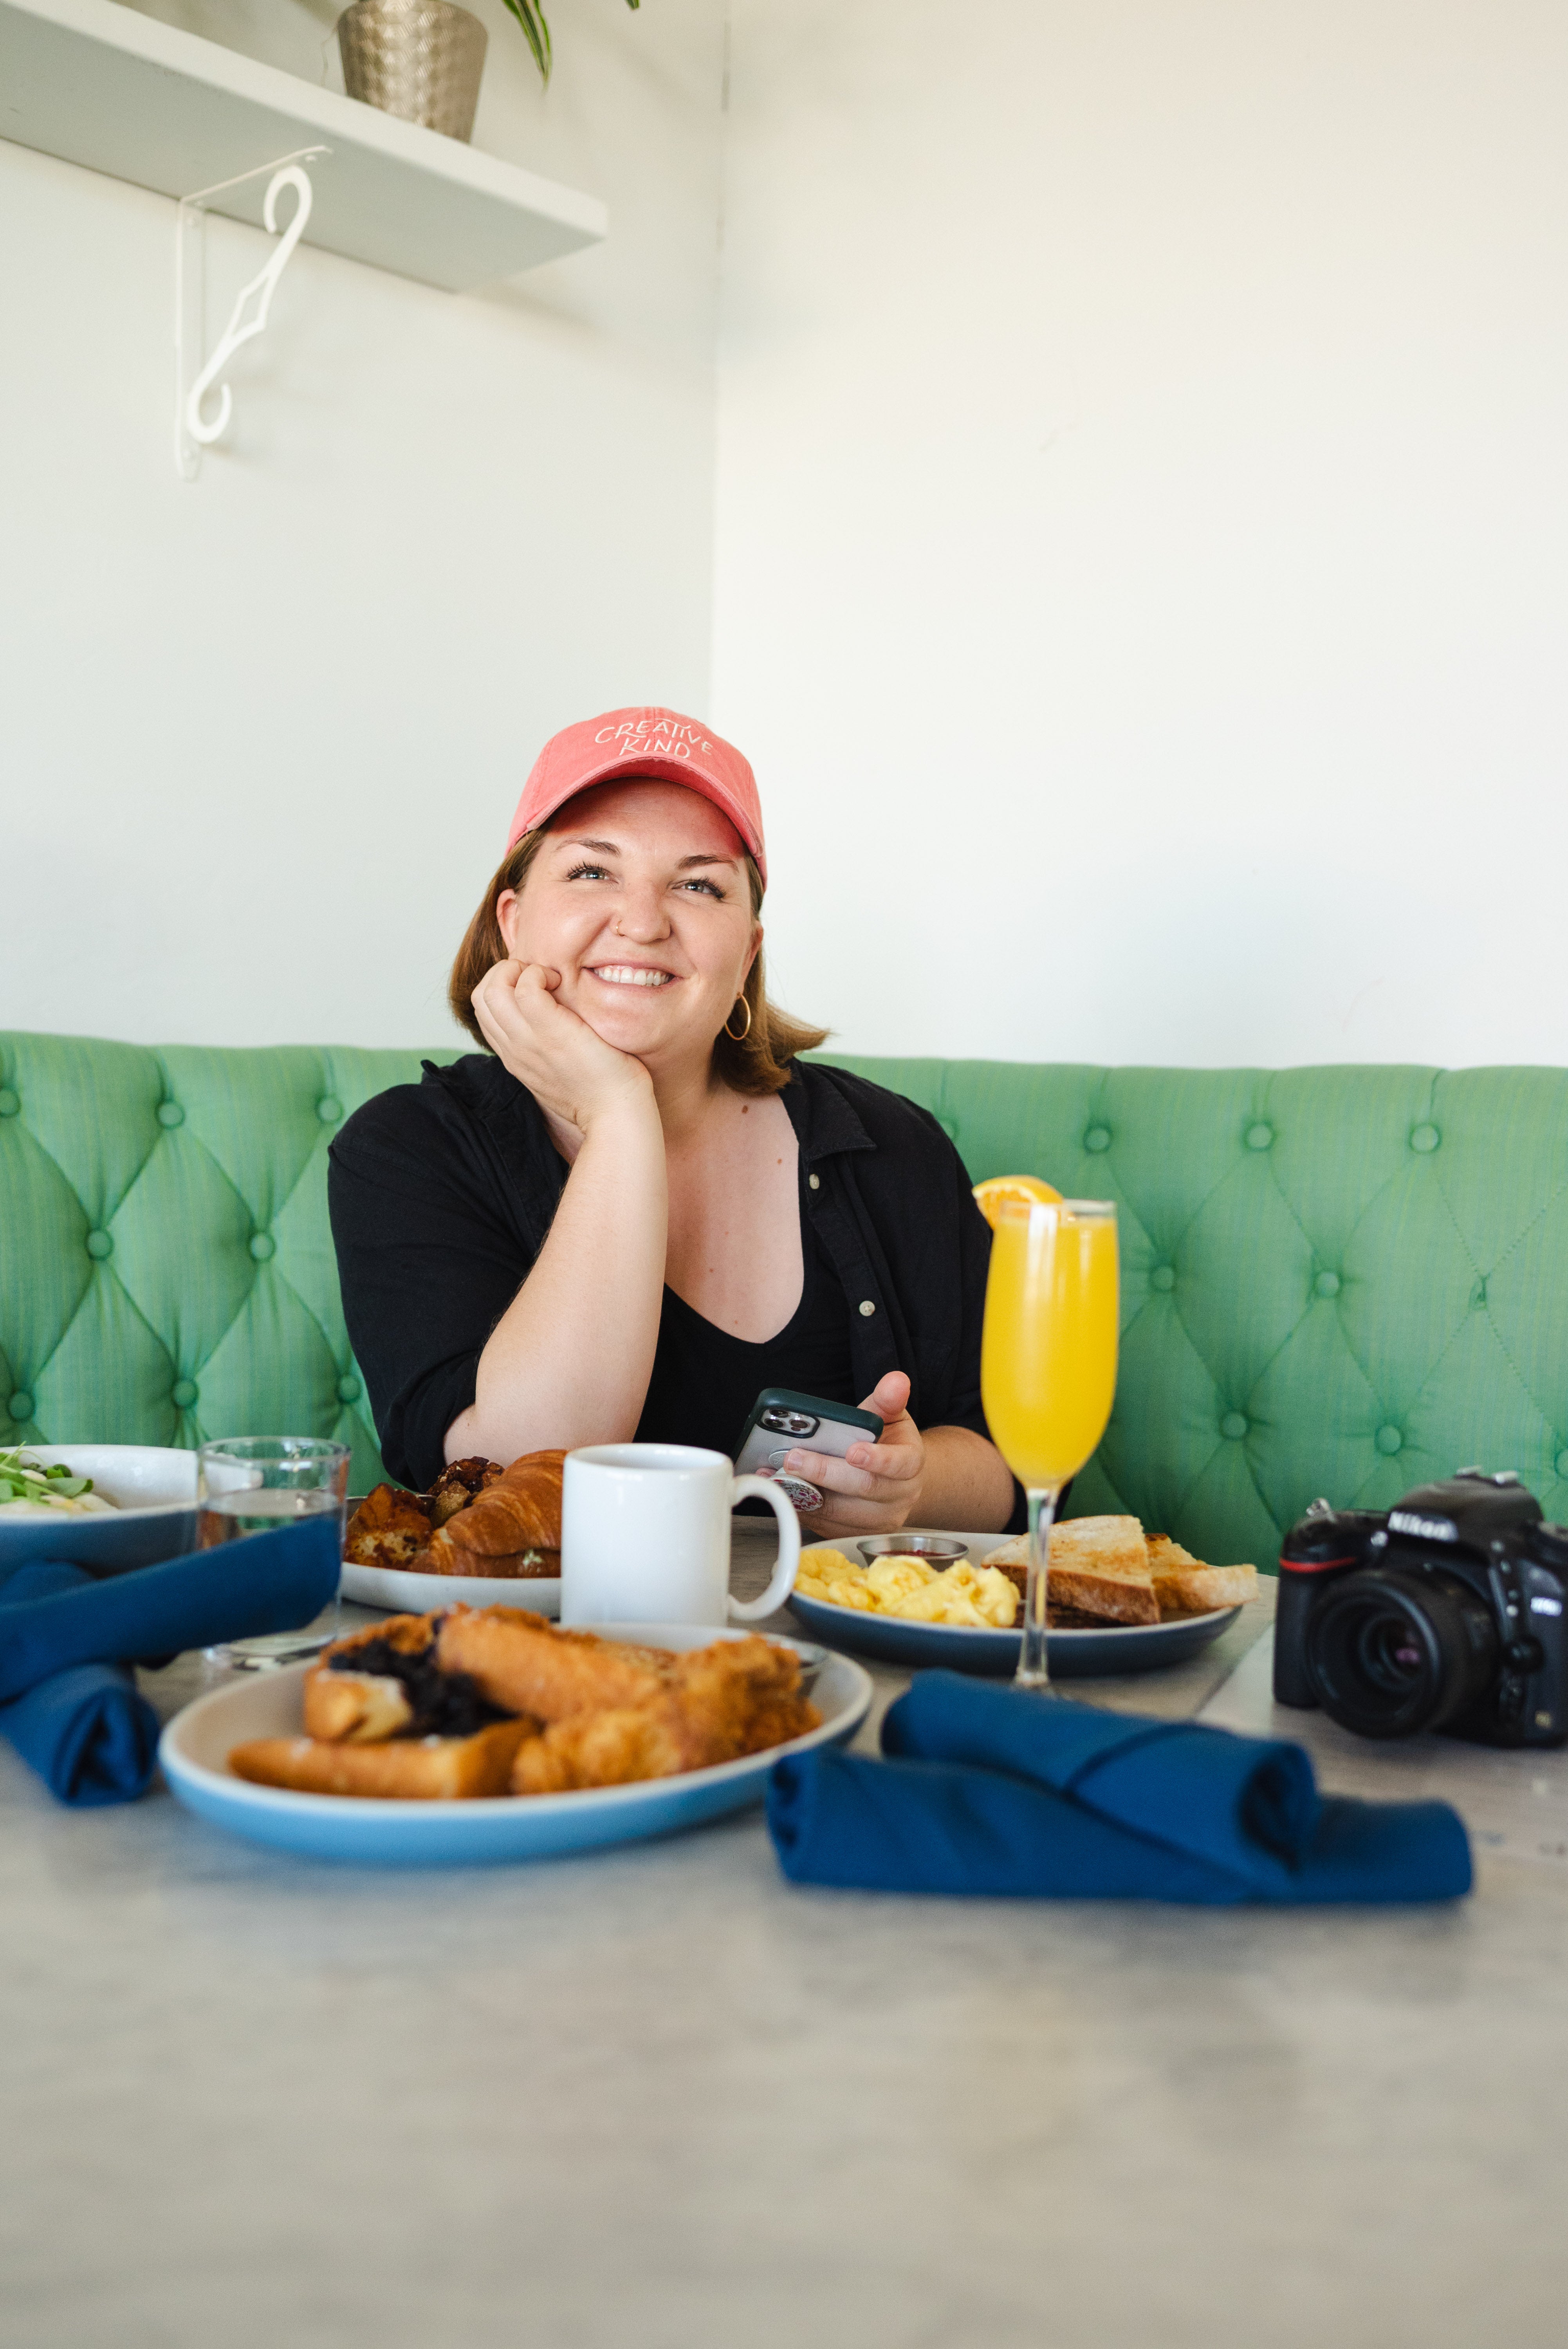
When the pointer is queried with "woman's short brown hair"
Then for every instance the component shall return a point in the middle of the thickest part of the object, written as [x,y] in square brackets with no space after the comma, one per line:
[751,1064]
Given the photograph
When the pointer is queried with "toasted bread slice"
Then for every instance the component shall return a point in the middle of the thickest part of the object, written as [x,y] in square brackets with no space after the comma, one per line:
[1099,1569]
[1184,1585]
[1100,1565]
[406,1769]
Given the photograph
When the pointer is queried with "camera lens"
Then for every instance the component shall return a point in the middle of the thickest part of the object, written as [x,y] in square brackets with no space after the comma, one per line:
[1391,1652]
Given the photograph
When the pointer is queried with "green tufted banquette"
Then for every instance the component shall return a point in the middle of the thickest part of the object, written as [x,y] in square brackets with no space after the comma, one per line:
[166,1265]
[1335,1280]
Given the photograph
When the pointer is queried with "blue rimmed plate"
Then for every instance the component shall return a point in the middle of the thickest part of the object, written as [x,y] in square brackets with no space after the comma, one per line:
[154,1488]
[958,1647]
[196,1744]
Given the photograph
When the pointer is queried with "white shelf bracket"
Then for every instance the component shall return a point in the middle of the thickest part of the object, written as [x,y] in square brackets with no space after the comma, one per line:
[194,379]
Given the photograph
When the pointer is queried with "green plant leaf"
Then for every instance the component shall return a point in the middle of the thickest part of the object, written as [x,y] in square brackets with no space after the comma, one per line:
[530,16]
[536,33]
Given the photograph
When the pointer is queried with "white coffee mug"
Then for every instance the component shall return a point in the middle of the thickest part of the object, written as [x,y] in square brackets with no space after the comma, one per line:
[645,1535]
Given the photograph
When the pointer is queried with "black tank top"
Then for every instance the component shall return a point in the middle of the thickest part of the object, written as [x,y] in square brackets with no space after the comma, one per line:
[705,1382]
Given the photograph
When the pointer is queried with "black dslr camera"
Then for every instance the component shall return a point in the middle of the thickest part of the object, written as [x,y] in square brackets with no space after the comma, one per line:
[1445,1612]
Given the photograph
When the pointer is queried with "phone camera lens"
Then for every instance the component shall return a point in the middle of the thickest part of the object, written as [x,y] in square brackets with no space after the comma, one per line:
[779,1422]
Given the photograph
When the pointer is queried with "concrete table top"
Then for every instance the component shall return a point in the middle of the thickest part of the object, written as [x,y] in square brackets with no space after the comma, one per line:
[659,2096]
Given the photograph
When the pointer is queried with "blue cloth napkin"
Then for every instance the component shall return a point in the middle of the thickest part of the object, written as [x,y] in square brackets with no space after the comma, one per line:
[87,1732]
[267,1582]
[993,1790]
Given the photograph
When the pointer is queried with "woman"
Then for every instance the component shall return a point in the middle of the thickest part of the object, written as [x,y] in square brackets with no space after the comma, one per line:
[638,1208]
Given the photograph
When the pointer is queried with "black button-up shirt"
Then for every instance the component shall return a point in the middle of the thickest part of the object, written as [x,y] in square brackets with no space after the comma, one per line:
[441,1195]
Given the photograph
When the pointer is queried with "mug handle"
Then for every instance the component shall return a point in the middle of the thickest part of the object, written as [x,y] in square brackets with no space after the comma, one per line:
[741,1489]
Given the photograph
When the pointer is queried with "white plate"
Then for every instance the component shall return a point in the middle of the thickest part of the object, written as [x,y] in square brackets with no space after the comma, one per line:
[422,1593]
[153,1487]
[196,1748]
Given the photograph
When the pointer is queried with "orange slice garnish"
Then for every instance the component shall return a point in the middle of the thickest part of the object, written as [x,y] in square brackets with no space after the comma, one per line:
[998,1188]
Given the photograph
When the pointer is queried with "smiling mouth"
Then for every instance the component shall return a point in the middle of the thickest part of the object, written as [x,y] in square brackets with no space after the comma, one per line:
[630,973]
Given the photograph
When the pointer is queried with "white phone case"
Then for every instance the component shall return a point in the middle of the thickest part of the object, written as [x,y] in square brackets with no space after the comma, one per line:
[766,1449]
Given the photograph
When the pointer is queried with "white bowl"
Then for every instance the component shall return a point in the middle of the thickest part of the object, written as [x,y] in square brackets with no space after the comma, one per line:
[154,1488]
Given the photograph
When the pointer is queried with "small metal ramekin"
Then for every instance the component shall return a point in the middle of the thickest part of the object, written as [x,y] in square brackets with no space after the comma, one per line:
[935,1548]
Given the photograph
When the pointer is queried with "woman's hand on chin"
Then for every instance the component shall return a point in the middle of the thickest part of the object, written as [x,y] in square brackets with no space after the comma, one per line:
[570,1071]
[875,1487]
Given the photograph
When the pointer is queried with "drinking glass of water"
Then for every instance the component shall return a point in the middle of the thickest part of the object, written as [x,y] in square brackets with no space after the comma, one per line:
[253,1484]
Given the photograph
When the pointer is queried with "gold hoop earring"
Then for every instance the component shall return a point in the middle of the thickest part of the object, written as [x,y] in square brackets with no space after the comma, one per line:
[747,1028]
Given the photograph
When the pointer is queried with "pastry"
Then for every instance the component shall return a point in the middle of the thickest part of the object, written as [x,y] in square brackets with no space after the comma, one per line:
[388,1528]
[513,1528]
[441,1698]
[391,1527]
[414,1769]
[382,1718]
[738,1696]
[525,1664]
[449,1707]
[460,1482]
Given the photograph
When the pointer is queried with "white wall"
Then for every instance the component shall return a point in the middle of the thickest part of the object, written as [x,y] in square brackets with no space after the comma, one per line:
[1141,502]
[261,737]
[1142,513]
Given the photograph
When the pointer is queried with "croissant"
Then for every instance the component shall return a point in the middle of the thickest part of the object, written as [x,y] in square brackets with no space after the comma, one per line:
[513,1529]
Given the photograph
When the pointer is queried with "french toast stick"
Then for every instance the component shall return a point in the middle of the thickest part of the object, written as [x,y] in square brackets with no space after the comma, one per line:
[411,1769]
[736,1697]
[525,1664]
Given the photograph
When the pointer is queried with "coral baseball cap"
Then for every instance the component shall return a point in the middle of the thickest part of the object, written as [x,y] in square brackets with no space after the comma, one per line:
[634,746]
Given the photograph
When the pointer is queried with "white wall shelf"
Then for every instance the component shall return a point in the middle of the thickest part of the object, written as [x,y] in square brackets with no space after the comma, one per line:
[100,85]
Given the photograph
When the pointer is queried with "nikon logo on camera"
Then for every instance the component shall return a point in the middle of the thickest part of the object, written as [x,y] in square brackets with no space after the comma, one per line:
[1401,1521]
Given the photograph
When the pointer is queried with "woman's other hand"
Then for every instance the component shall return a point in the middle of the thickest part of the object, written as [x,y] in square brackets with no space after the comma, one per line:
[570,1071]
[875,1487]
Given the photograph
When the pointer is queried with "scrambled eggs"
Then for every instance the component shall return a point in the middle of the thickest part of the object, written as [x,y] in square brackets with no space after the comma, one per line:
[977,1595]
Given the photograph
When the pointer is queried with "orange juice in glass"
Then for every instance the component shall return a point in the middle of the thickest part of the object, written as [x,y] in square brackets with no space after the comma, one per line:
[1048,1366]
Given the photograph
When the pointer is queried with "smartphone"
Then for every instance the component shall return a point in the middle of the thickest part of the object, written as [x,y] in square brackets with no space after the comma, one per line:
[781,1420]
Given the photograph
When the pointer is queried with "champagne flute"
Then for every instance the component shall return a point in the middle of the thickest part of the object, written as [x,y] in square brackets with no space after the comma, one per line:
[1048,1367]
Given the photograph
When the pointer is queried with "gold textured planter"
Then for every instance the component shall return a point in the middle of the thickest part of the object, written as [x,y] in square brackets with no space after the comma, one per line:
[421,59]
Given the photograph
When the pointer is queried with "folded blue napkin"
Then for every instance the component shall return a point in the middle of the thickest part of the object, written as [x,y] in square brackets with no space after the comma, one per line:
[87,1732]
[995,1790]
[267,1582]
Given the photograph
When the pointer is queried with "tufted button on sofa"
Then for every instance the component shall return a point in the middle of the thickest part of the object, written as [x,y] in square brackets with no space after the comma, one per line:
[1334,1280]
[166,1265]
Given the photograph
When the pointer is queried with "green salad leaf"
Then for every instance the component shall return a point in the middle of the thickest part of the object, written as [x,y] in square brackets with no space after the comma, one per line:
[22,1479]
